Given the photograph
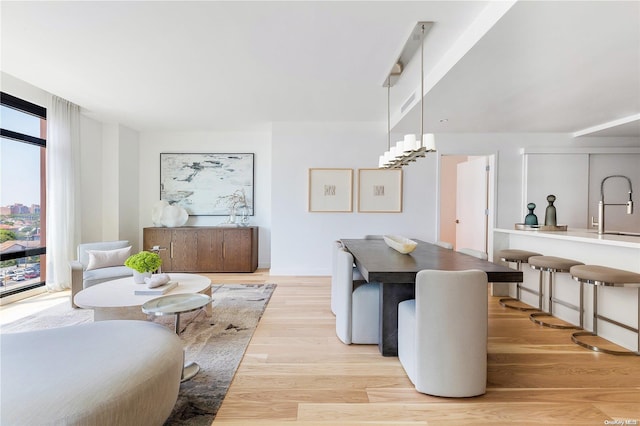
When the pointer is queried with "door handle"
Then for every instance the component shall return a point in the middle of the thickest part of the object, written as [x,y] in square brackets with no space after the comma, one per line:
[457,221]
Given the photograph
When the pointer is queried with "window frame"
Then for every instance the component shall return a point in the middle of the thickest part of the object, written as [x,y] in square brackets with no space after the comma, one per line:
[27,107]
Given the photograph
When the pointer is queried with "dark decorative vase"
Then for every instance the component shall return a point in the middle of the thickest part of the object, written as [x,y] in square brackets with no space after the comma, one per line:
[531,219]
[550,213]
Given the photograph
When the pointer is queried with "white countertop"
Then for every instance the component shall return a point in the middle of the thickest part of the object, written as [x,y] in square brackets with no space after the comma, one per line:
[580,235]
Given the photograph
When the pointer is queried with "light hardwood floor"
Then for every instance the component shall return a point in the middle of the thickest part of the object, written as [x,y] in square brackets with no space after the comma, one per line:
[296,370]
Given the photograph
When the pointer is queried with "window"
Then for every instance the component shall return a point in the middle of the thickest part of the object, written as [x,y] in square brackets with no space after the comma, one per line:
[22,195]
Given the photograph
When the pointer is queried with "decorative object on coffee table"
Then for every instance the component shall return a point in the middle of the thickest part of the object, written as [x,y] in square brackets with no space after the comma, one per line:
[143,264]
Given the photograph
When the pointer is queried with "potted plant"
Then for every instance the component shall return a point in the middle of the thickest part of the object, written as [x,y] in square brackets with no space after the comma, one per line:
[143,264]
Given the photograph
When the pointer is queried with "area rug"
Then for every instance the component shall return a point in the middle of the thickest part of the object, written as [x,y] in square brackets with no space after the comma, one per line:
[216,343]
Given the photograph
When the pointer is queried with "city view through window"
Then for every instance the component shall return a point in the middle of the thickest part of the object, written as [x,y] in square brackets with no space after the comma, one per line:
[22,191]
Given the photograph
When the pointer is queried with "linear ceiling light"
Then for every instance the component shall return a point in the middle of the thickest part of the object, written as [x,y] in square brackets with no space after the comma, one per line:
[411,148]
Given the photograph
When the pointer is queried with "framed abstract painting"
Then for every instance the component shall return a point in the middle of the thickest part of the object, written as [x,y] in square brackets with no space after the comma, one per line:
[330,190]
[380,190]
[207,184]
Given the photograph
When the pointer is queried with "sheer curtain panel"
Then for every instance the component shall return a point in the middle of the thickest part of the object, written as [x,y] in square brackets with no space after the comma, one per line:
[63,191]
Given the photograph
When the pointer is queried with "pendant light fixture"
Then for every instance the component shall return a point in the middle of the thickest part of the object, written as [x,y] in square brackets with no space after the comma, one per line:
[410,148]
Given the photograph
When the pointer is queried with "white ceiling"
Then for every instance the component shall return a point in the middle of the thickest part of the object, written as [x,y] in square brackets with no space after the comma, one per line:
[207,65]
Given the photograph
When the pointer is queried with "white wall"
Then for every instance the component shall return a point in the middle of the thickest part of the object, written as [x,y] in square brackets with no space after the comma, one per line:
[507,150]
[301,240]
[259,143]
[110,182]
[562,175]
[91,213]
[118,180]
[292,240]
[128,186]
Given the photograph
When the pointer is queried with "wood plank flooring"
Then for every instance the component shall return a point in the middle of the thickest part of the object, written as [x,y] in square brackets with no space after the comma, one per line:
[296,370]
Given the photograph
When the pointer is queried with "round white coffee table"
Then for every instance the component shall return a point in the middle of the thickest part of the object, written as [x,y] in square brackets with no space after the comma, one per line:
[116,299]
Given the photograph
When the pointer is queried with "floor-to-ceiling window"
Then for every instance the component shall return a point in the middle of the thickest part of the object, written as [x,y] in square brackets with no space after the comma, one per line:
[23,143]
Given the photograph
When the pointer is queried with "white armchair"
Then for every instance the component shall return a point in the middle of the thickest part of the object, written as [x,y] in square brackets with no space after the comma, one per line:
[97,263]
[442,333]
[357,310]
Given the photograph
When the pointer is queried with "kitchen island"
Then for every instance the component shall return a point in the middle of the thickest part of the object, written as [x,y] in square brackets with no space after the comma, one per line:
[587,246]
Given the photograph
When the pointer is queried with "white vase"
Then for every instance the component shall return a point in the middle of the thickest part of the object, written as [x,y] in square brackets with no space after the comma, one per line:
[138,277]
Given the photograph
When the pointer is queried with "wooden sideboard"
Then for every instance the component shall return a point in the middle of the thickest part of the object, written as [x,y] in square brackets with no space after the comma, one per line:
[205,248]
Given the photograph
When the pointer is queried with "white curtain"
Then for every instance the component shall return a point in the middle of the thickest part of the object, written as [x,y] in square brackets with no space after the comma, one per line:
[63,191]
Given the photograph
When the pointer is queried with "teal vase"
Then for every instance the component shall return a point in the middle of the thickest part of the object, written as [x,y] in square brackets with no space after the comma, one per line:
[531,219]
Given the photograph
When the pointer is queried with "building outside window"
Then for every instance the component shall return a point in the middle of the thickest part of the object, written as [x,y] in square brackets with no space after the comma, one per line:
[22,197]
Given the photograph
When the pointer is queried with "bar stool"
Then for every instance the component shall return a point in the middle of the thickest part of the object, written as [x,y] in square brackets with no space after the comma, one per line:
[518,257]
[604,276]
[552,264]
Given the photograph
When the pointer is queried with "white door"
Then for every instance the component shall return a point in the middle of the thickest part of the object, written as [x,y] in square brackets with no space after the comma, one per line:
[472,204]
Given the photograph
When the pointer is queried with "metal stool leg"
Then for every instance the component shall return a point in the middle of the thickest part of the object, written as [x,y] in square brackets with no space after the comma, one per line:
[505,301]
[575,337]
[536,315]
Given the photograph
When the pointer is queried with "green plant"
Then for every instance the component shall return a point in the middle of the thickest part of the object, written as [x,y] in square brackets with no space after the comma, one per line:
[145,261]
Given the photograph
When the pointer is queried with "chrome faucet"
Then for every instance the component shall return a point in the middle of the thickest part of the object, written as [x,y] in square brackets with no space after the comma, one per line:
[601,204]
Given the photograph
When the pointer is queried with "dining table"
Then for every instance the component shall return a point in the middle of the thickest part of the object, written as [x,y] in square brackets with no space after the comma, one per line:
[396,273]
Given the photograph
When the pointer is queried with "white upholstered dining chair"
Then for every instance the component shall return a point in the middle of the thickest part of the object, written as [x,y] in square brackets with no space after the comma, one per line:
[357,309]
[442,333]
[356,275]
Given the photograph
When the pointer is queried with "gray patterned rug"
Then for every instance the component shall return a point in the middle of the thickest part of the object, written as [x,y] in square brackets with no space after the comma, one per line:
[216,343]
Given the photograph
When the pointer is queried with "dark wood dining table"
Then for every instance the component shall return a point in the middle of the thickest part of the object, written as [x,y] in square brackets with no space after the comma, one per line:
[396,273]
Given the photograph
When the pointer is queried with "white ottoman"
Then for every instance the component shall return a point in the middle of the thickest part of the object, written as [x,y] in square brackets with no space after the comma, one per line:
[104,373]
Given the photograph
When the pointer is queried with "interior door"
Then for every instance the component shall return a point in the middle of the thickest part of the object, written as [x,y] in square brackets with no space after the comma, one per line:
[472,204]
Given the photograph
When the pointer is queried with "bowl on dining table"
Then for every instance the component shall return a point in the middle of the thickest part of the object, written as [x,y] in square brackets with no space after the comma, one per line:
[399,243]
